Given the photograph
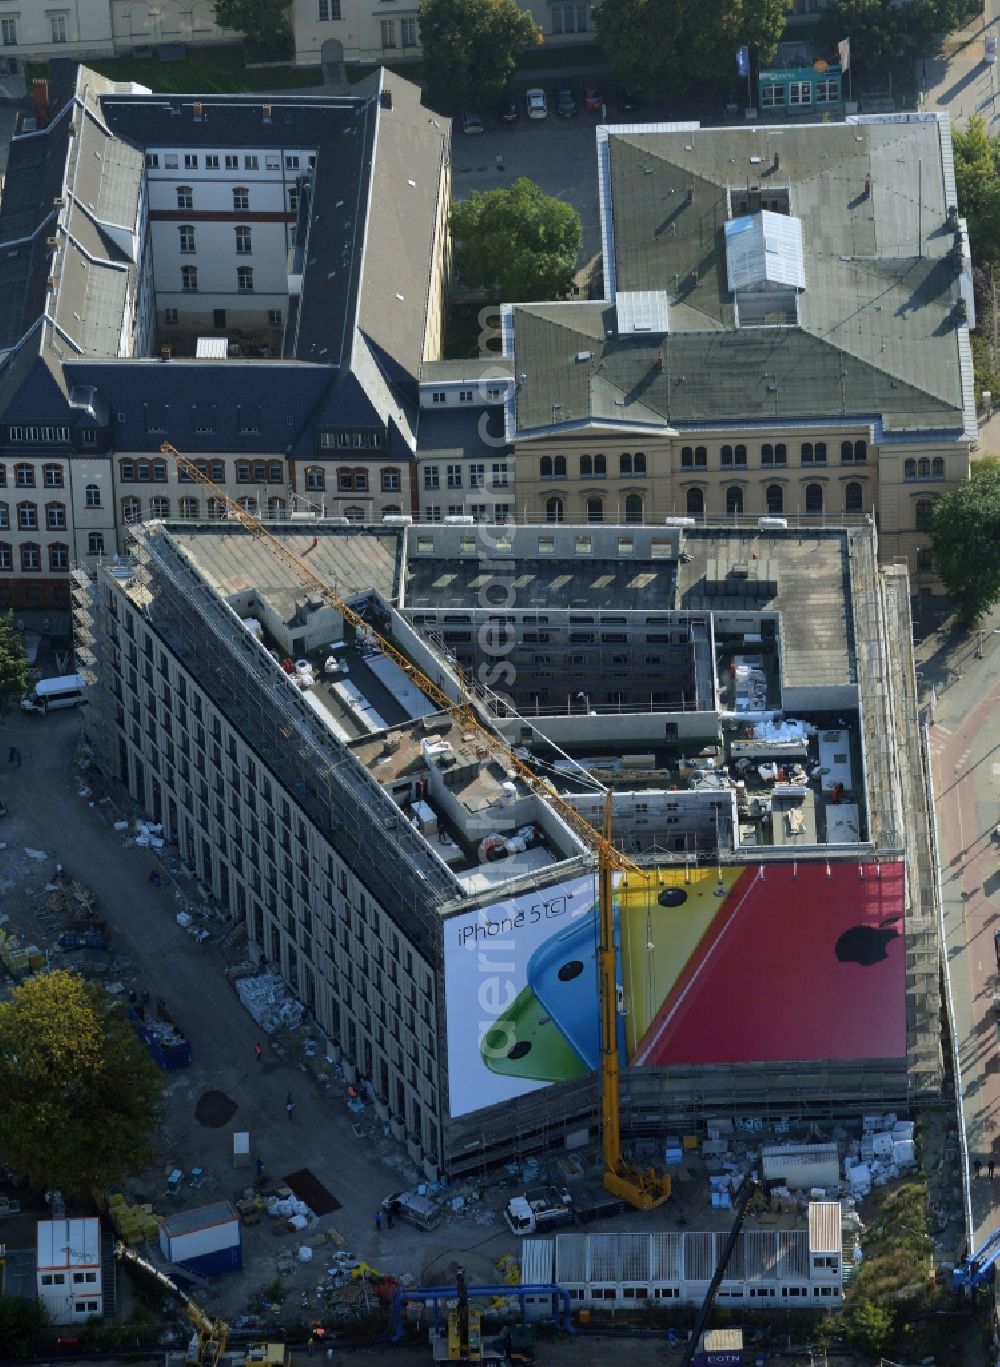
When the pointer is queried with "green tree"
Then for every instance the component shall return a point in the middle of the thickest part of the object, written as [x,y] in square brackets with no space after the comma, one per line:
[20,1321]
[264,22]
[869,1326]
[965,534]
[12,665]
[977,163]
[471,48]
[662,48]
[517,244]
[80,1093]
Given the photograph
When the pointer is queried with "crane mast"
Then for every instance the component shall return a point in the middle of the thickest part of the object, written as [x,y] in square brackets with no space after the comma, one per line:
[642,1189]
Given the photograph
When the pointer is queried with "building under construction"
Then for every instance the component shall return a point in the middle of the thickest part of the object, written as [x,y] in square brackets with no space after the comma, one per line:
[747,697]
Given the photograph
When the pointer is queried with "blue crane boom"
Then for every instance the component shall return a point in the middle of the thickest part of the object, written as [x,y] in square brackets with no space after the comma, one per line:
[975,1269]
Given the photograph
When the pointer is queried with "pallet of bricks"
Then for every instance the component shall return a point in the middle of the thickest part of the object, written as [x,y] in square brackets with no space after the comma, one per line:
[19,960]
[134,1224]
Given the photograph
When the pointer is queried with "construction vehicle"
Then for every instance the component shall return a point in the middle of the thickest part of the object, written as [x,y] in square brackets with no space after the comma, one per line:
[210,1335]
[749,1192]
[539,1208]
[461,1340]
[641,1188]
[978,1267]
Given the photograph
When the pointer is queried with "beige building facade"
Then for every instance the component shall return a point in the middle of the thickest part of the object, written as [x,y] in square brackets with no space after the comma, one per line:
[31,32]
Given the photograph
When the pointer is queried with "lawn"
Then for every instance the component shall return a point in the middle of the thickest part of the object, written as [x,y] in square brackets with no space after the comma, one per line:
[204,70]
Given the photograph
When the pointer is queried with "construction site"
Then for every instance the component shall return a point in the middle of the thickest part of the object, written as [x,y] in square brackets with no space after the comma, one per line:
[353,788]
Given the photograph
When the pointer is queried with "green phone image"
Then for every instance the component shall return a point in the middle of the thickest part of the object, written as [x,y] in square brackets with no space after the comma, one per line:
[525,1042]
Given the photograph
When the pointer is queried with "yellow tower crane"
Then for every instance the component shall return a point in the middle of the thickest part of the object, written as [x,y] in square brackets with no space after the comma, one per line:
[643,1189]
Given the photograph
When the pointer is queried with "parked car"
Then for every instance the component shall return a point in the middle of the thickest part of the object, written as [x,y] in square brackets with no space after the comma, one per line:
[472,122]
[566,102]
[538,107]
[593,100]
[509,109]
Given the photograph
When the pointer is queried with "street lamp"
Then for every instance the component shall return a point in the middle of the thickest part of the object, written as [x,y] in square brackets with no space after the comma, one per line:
[981,635]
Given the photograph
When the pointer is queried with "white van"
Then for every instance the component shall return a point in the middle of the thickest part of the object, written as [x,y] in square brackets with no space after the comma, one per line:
[49,694]
[416,1209]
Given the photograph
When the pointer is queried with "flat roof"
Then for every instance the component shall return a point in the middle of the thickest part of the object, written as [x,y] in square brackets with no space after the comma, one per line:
[69,1243]
[202,1217]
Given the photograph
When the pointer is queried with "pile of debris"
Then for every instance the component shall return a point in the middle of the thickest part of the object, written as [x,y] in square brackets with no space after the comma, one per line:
[885,1150]
[269,1002]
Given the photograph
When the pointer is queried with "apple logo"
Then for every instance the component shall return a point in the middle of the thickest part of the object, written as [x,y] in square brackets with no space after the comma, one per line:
[864,945]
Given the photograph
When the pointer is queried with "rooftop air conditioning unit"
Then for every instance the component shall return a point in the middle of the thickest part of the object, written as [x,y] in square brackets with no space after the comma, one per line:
[680,522]
[771,524]
[460,520]
[397,519]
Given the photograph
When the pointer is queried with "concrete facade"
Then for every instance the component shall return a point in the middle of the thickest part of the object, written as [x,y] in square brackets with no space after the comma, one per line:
[104,28]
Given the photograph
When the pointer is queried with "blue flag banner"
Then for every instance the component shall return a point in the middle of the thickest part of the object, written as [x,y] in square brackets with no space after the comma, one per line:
[743,61]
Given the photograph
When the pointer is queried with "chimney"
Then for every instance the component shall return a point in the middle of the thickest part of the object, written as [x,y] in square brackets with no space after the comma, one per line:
[868,187]
[690,193]
[198,110]
[40,99]
[694,277]
[659,360]
[777,162]
[267,113]
[385,99]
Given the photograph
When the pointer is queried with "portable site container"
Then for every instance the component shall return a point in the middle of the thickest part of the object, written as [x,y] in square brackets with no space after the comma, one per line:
[207,1240]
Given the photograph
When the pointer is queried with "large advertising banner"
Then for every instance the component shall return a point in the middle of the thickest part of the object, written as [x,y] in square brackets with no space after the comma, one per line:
[775,962]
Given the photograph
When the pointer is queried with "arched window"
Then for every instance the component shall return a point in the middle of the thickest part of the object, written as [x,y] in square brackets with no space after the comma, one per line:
[545,467]
[726,455]
[315,477]
[819,453]
[854,496]
[860,450]
[92,496]
[131,510]
[595,508]
[189,508]
[249,504]
[846,450]
[910,469]
[276,508]
[781,454]
[559,467]
[774,499]
[274,472]
[217,509]
[687,457]
[354,514]
[185,197]
[734,501]
[52,476]
[159,507]
[6,556]
[937,467]
[4,515]
[807,453]
[740,455]
[553,509]
[924,468]
[600,465]
[814,498]
[586,467]
[639,463]
[923,514]
[700,457]
[633,507]
[767,454]
[625,463]
[695,501]
[58,556]
[55,516]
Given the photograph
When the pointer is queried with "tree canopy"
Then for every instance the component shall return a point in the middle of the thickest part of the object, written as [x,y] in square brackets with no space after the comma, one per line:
[517,244]
[883,33]
[977,163]
[471,48]
[966,537]
[12,665]
[661,48]
[263,21]
[80,1093]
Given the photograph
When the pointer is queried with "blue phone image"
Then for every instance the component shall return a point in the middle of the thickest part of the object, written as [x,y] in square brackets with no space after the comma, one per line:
[562,973]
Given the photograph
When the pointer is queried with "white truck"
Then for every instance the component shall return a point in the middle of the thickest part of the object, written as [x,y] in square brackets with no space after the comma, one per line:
[48,695]
[540,1208]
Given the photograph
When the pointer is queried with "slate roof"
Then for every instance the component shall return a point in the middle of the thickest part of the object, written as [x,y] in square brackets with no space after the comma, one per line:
[876,336]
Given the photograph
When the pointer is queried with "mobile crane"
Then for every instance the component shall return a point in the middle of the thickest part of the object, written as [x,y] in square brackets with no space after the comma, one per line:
[978,1267]
[210,1335]
[641,1188]
[750,1191]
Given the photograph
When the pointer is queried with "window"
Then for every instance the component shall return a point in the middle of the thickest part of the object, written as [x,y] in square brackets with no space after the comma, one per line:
[189,508]
[58,556]
[553,509]
[241,199]
[243,240]
[923,514]
[185,197]
[774,455]
[477,475]
[499,476]
[559,467]
[131,510]
[24,476]
[774,498]
[695,502]
[800,92]
[388,27]
[27,517]
[31,556]
[771,96]
[827,92]
[293,200]
[639,463]
[924,467]
[854,494]
[432,477]
[694,457]
[633,507]
[170,161]
[6,556]
[251,162]
[329,9]
[586,467]
[390,481]
[190,161]
[88,436]
[813,455]
[189,279]
[937,471]
[315,478]
[814,498]
[600,466]
[545,467]
[170,316]
[4,516]
[625,463]
[438,396]
[52,476]
[211,161]
[734,501]
[159,507]
[3,476]
[8,32]
[244,279]
[186,233]
[216,509]
[152,160]
[57,23]
[853,451]
[274,472]
[55,516]
[595,509]
[925,560]
[454,476]
[725,455]
[274,318]
[408,32]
